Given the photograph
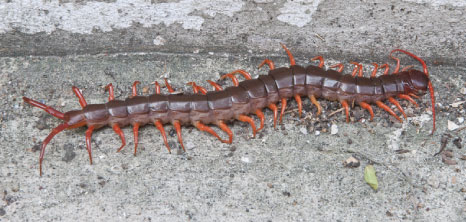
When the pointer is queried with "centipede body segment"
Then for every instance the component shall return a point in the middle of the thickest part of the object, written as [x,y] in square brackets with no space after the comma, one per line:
[205,108]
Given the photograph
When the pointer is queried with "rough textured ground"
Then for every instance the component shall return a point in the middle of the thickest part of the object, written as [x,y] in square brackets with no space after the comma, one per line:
[292,173]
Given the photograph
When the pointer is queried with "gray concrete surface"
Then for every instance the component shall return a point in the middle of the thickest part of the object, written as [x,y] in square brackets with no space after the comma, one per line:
[287,174]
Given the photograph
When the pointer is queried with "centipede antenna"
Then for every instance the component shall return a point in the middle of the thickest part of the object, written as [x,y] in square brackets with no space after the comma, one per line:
[424,66]
[46,108]
[431,88]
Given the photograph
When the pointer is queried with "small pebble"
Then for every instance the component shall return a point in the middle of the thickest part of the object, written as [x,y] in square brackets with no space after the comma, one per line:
[351,162]
[457,104]
[452,126]
[460,119]
[303,130]
[317,132]
[245,159]
[334,129]
[463,91]
[457,141]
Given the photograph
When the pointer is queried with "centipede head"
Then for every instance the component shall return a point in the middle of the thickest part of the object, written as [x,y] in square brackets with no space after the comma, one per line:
[420,81]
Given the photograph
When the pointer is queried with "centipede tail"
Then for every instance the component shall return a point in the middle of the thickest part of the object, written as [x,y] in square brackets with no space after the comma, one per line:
[244,98]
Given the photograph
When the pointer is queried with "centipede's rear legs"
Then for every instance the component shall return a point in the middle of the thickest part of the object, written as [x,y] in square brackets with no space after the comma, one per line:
[54,132]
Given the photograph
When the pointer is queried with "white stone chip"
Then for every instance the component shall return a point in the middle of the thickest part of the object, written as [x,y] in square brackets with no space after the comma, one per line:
[452,126]
[334,129]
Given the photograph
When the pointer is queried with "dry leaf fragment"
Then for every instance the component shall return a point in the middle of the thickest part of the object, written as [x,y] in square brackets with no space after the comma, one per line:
[370,177]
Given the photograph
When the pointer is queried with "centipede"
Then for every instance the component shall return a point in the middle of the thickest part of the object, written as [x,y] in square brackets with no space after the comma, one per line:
[243,99]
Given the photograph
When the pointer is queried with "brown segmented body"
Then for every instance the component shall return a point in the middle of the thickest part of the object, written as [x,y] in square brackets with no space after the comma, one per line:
[246,97]
[249,96]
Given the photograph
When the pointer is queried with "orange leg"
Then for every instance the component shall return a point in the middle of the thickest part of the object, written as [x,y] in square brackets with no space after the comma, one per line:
[358,67]
[134,88]
[369,108]
[88,142]
[177,125]
[374,72]
[386,108]
[387,68]
[406,97]
[159,126]
[193,84]
[413,95]
[205,128]
[292,62]
[197,88]
[407,68]
[169,87]
[135,133]
[54,132]
[46,108]
[202,89]
[118,131]
[321,59]
[355,70]
[227,130]
[157,88]
[245,74]
[274,109]
[300,104]
[397,104]
[316,103]
[111,94]
[339,65]
[282,111]
[397,64]
[234,79]
[260,114]
[244,118]
[345,105]
[268,62]
[216,86]
[80,96]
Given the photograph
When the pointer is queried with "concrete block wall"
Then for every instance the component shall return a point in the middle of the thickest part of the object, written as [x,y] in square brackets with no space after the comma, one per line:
[352,29]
